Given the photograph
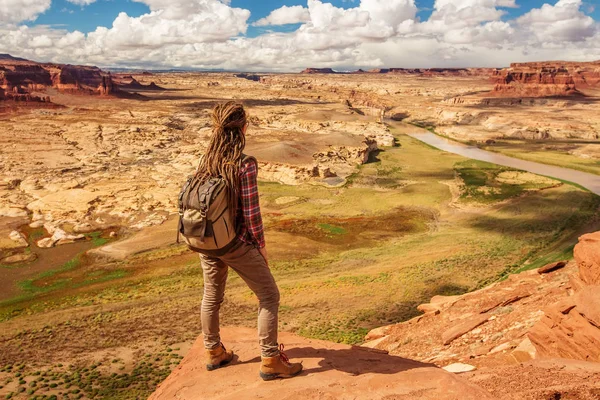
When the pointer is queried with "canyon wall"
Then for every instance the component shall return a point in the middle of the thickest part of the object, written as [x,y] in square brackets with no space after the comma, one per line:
[544,79]
[20,79]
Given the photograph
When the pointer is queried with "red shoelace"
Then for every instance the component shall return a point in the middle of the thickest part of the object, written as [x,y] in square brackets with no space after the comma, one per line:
[282,354]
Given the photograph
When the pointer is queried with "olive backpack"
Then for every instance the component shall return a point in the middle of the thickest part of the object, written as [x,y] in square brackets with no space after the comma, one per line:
[206,222]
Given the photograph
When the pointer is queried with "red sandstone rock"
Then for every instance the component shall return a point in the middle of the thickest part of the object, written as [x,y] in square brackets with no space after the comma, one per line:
[107,86]
[551,267]
[588,304]
[459,72]
[587,255]
[571,327]
[130,83]
[457,331]
[20,77]
[546,79]
[331,371]
[565,332]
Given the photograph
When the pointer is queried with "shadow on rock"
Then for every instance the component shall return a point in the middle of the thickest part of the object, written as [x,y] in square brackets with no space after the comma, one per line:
[354,361]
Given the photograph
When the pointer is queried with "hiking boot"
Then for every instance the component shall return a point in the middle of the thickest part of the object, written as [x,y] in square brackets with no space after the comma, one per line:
[278,366]
[218,357]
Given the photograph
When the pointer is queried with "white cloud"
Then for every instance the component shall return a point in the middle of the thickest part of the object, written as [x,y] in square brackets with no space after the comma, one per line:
[391,13]
[461,13]
[13,11]
[563,22]
[285,15]
[82,2]
[372,33]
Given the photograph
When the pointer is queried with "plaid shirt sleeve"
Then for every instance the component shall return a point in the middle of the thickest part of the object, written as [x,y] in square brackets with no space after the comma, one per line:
[250,204]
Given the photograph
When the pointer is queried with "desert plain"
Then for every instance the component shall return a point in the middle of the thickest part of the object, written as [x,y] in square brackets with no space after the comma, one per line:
[363,221]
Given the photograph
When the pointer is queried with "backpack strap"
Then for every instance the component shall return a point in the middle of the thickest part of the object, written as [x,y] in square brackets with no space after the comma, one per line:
[180,203]
[205,200]
[246,157]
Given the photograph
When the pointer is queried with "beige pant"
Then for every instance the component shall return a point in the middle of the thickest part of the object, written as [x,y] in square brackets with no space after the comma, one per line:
[250,265]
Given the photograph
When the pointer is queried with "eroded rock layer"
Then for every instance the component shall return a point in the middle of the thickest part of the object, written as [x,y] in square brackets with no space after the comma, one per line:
[545,79]
[549,314]
[21,80]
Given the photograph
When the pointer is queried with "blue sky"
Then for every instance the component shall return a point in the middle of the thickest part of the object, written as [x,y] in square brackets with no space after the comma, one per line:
[464,33]
[103,12]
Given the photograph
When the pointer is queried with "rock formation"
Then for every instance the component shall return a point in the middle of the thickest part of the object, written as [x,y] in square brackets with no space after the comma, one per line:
[250,77]
[128,82]
[331,371]
[428,72]
[587,255]
[570,328]
[106,87]
[346,155]
[319,71]
[503,324]
[21,79]
[546,79]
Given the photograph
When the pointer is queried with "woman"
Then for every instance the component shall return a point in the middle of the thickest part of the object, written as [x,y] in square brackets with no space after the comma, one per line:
[247,256]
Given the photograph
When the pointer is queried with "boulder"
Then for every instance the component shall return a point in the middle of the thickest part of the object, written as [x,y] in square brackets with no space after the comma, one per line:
[59,237]
[459,368]
[18,238]
[19,258]
[525,351]
[551,267]
[587,255]
[377,333]
[570,328]
[36,224]
[45,243]
[460,329]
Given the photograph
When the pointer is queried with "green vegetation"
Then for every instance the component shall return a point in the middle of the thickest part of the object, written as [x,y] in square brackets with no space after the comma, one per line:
[549,257]
[30,287]
[555,152]
[334,230]
[346,260]
[97,239]
[396,244]
[482,184]
[96,381]
[36,234]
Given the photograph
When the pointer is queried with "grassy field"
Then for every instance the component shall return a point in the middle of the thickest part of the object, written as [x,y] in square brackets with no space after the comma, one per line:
[413,223]
[548,152]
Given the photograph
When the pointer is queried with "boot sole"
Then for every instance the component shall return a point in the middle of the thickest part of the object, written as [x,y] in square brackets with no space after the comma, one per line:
[271,377]
[212,367]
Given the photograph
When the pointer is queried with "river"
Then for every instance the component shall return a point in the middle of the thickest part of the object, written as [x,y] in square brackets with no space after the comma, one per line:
[588,181]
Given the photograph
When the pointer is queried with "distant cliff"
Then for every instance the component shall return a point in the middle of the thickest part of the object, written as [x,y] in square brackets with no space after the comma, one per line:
[23,80]
[411,71]
[543,79]
[20,79]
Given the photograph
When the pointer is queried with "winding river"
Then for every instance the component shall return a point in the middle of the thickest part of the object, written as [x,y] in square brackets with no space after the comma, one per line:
[587,180]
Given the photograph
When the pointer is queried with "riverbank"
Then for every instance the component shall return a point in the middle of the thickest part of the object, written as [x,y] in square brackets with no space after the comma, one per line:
[587,180]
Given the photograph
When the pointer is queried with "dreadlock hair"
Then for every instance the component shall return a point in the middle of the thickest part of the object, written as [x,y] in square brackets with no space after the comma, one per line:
[224,153]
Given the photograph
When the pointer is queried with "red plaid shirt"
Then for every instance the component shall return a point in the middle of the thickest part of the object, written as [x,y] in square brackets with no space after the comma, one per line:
[249,219]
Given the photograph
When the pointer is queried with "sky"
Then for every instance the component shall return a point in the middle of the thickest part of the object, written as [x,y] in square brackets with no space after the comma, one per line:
[290,35]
